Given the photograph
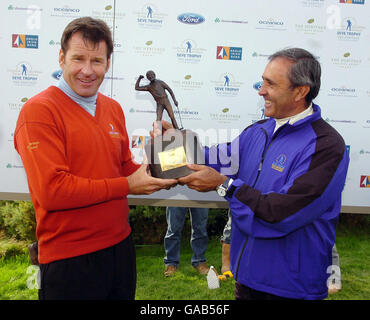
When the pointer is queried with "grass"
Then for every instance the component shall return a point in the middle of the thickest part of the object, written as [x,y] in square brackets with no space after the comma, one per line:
[353,247]
[186,283]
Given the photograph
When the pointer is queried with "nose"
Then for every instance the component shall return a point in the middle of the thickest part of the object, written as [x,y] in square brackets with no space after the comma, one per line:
[87,68]
[262,90]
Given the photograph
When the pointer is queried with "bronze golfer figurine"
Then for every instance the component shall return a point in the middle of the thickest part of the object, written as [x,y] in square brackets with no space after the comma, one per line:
[157,89]
[169,154]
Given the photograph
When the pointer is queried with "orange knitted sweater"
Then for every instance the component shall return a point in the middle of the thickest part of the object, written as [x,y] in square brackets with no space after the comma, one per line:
[76,166]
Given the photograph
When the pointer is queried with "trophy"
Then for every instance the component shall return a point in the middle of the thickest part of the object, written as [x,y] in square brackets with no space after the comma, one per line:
[168,154]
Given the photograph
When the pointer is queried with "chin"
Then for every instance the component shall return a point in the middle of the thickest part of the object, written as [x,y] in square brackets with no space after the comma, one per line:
[269,114]
[86,93]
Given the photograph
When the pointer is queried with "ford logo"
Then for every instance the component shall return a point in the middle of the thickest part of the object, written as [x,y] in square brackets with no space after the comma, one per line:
[190,18]
[258,85]
[57,74]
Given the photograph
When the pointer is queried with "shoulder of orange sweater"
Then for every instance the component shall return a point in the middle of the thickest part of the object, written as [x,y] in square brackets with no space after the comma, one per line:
[114,103]
[38,109]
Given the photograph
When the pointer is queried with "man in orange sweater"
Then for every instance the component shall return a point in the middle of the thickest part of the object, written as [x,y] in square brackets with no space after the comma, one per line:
[75,150]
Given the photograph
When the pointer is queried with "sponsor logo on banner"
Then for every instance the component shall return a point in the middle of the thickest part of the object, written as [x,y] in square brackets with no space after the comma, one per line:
[57,74]
[148,49]
[340,121]
[346,61]
[364,152]
[189,52]
[65,12]
[343,91]
[188,84]
[226,85]
[138,142]
[186,113]
[54,42]
[108,14]
[229,53]
[150,16]
[14,166]
[352,1]
[257,85]
[310,27]
[115,78]
[366,124]
[17,105]
[271,24]
[260,55]
[24,74]
[27,41]
[190,18]
[349,30]
[365,182]
[259,112]
[118,46]
[24,10]
[132,110]
[222,20]
[313,3]
[224,116]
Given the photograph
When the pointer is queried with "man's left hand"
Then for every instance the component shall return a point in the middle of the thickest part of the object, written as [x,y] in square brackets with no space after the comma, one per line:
[203,179]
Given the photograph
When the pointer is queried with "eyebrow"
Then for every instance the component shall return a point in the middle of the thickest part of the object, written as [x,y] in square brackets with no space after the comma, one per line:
[82,56]
[268,80]
[77,56]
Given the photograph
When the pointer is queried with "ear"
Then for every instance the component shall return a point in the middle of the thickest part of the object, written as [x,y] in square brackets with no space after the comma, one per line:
[108,65]
[61,58]
[301,92]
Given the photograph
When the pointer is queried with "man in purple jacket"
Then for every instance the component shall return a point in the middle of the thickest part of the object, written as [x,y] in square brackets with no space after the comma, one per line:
[283,184]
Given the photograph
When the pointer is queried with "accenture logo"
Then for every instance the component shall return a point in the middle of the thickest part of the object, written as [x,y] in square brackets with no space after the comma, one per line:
[190,18]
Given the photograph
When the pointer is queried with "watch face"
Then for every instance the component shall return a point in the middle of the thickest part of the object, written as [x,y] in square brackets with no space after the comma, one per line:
[221,191]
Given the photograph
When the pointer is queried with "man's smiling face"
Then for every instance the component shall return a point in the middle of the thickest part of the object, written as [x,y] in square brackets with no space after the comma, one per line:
[277,90]
[84,65]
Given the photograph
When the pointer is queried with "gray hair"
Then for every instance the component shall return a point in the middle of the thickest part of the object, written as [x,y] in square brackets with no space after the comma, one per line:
[305,70]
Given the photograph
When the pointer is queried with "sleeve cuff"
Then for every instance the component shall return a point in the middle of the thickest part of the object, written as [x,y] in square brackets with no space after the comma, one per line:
[117,187]
[236,184]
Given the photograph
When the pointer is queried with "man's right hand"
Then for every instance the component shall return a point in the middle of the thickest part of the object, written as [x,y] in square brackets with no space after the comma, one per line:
[141,182]
[141,77]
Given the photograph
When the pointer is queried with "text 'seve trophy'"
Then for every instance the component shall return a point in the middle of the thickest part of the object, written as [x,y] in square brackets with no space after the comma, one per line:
[169,153]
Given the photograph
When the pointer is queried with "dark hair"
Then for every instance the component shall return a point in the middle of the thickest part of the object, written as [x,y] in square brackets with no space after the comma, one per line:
[92,30]
[305,70]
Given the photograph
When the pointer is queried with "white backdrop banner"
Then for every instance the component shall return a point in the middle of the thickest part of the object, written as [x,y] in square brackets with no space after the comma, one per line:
[212,54]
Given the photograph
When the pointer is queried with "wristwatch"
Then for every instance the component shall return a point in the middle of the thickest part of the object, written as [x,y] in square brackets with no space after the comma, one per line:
[222,188]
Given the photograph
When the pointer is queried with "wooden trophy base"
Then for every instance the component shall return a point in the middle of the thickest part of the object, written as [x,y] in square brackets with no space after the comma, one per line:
[168,155]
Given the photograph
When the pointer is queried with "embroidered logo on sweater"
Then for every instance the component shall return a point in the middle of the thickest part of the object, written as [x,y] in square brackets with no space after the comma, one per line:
[33,145]
[279,163]
[113,133]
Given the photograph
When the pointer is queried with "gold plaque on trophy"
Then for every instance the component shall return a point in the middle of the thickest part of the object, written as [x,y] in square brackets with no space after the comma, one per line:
[173,158]
[169,155]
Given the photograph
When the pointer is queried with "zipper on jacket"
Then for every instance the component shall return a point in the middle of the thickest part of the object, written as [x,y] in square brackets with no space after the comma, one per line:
[255,181]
